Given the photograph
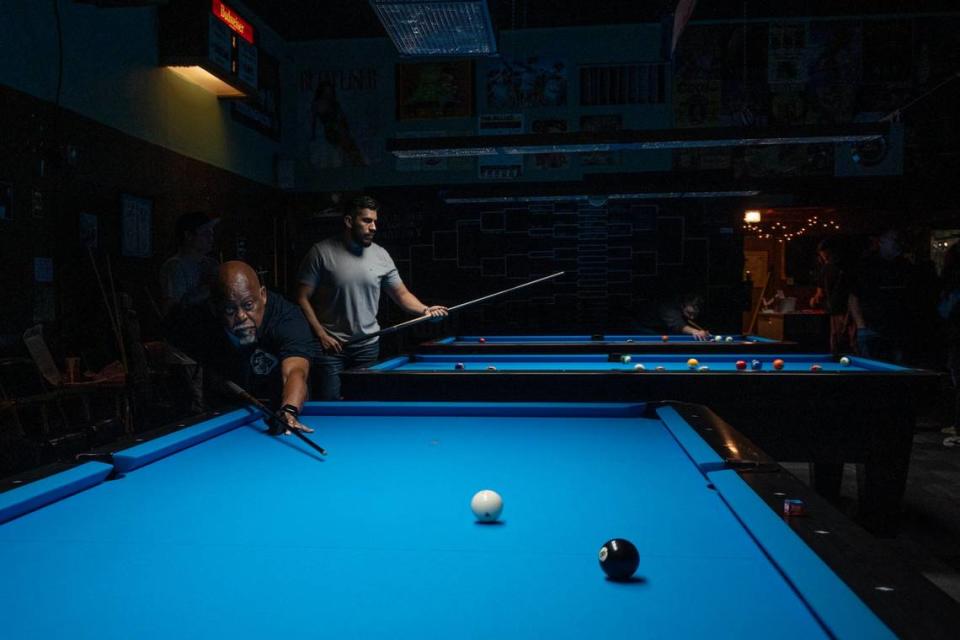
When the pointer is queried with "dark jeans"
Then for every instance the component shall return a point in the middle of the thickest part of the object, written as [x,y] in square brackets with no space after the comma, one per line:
[325,373]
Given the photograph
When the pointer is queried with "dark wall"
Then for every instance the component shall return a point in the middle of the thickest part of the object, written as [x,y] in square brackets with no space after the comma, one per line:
[59,165]
[619,259]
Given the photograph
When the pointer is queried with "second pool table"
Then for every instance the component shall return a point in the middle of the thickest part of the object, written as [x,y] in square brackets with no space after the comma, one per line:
[862,413]
[602,343]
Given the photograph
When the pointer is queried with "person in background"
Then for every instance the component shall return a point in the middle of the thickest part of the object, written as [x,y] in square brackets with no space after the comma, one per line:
[679,316]
[883,300]
[949,311]
[186,277]
[832,294]
[340,283]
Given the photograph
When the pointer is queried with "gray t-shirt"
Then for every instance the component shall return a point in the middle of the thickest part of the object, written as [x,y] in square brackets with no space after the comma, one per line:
[347,285]
[185,279]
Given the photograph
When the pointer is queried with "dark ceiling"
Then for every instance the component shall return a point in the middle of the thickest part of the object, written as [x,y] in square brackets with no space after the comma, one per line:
[318,19]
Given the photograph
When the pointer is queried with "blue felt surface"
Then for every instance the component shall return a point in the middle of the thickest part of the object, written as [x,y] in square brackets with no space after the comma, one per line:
[845,615]
[797,363]
[377,539]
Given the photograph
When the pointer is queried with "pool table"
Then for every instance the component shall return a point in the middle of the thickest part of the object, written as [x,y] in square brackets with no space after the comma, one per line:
[862,413]
[218,530]
[602,343]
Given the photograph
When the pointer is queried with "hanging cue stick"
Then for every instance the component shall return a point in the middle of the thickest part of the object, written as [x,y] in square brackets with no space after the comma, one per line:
[237,389]
[106,303]
[423,318]
[116,311]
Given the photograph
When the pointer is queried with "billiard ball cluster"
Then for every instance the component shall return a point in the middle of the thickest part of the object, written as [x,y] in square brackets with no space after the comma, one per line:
[619,558]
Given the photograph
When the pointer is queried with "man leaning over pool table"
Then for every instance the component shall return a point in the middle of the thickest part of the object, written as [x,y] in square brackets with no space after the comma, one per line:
[255,339]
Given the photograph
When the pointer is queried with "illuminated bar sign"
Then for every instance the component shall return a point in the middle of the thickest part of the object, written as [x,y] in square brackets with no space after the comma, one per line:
[210,45]
[230,18]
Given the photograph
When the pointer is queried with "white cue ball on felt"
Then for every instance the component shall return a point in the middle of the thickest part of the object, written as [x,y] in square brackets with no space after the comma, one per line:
[845,361]
[487,505]
[625,359]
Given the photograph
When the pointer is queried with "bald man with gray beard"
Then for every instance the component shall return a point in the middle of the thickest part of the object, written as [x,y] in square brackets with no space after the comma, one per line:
[254,338]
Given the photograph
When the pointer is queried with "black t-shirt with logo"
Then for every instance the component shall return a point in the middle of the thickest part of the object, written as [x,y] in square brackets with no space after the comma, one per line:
[284,333]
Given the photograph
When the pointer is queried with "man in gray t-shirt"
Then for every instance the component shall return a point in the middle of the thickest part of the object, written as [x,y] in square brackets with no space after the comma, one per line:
[340,283]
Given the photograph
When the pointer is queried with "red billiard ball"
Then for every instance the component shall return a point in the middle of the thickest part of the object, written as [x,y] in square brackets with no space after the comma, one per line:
[778,364]
[815,368]
[482,341]
[619,559]
[741,364]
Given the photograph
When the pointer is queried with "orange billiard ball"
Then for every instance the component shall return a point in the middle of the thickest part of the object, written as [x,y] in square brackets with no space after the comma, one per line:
[778,364]
[665,338]
[692,363]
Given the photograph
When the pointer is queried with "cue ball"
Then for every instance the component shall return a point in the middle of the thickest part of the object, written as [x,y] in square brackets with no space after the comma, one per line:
[703,368]
[778,364]
[845,361]
[639,367]
[458,366]
[756,365]
[619,559]
[624,359]
[491,368]
[728,339]
[741,364]
[718,339]
[487,505]
[692,363]
[660,368]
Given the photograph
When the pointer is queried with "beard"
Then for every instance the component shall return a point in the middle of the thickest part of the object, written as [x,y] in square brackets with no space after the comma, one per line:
[245,335]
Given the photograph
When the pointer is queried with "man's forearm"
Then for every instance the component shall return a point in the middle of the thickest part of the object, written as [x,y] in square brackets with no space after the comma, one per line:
[411,304]
[295,382]
[310,315]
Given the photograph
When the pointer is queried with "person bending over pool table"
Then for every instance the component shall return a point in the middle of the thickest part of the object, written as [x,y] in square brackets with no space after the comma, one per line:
[256,339]
[680,314]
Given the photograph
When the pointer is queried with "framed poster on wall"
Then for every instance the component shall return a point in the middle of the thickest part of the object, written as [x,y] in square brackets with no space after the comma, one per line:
[136,218]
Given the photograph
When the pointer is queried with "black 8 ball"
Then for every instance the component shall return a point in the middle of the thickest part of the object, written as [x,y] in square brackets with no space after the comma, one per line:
[619,559]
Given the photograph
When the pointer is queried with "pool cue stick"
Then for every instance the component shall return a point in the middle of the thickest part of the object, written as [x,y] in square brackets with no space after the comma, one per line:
[116,311]
[462,305]
[756,309]
[106,302]
[237,389]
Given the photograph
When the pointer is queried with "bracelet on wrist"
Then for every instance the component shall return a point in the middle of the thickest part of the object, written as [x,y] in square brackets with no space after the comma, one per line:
[292,410]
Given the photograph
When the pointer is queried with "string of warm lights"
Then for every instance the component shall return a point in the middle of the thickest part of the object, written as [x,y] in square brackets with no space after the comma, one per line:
[786,230]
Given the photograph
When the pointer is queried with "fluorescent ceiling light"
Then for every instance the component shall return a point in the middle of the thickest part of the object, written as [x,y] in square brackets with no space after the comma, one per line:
[438,28]
[630,140]
[659,195]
